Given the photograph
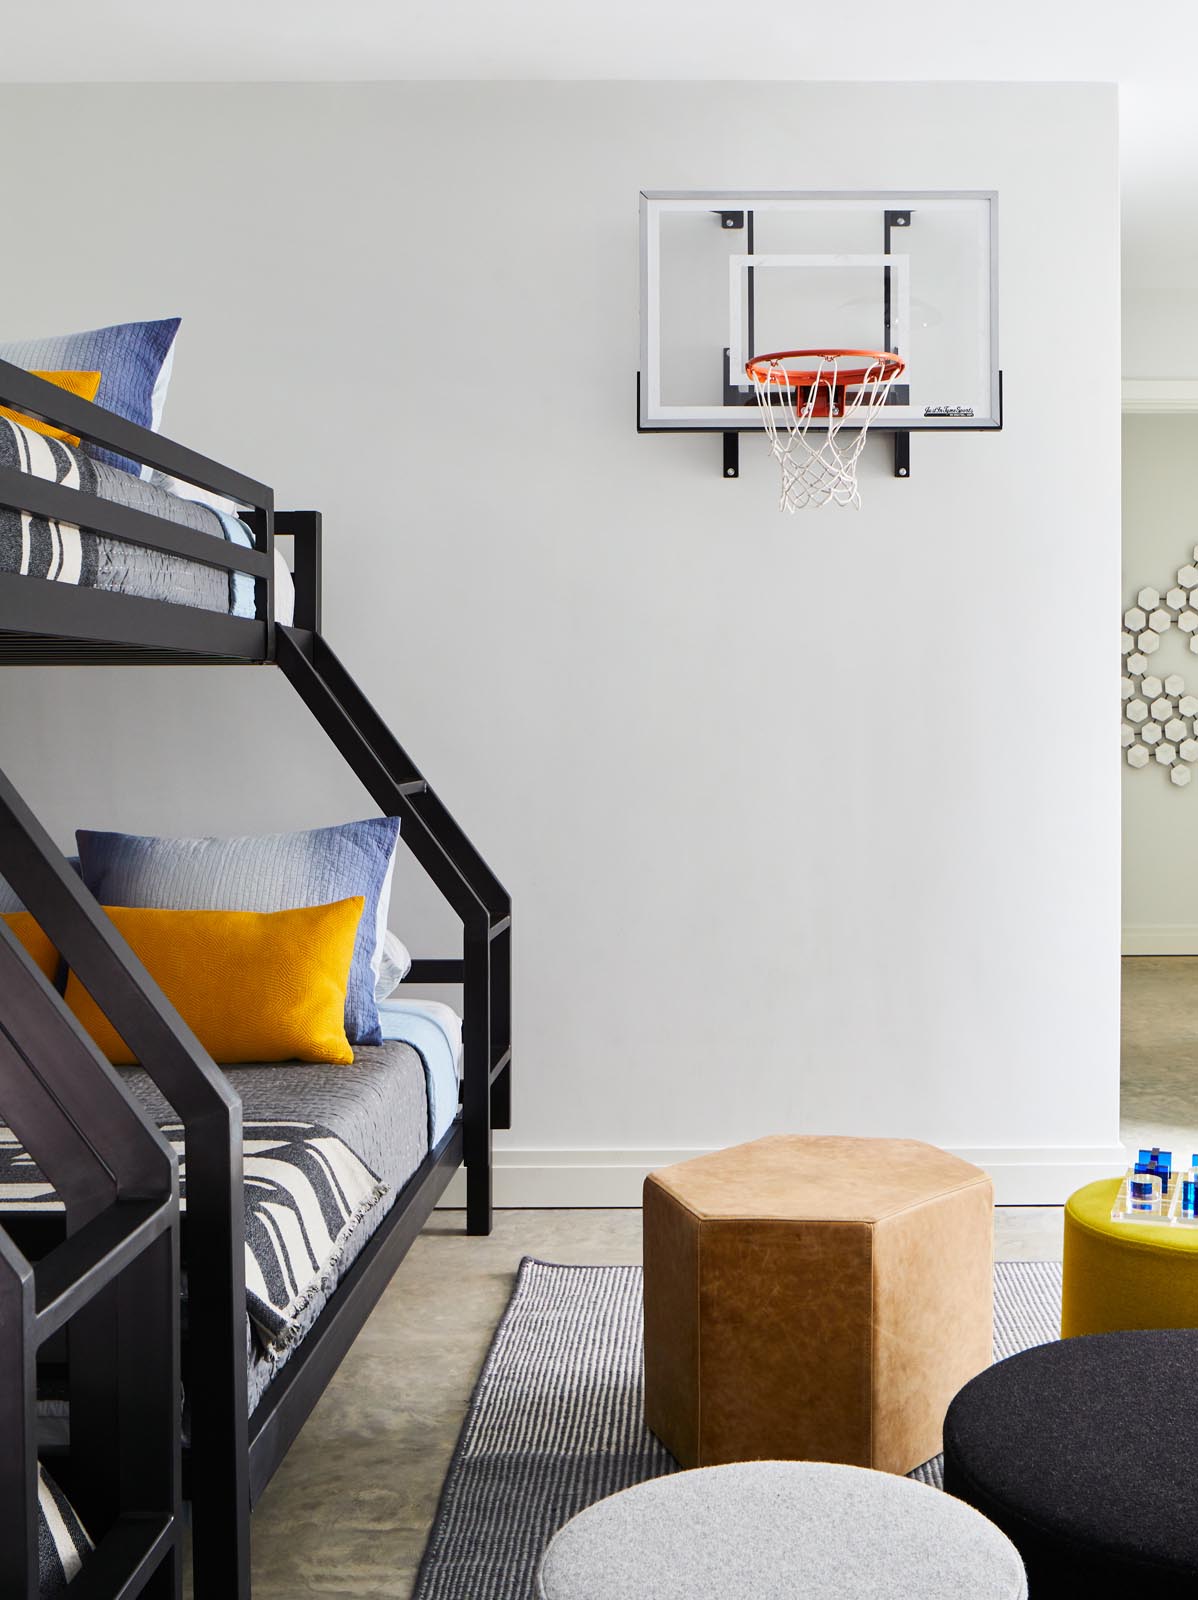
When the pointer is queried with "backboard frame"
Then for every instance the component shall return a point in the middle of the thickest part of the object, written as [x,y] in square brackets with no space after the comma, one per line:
[734,210]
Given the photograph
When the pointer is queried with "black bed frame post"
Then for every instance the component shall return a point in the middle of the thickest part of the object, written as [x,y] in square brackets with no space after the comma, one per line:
[18,1417]
[501,1028]
[216,1376]
[305,528]
[476,1078]
[211,1113]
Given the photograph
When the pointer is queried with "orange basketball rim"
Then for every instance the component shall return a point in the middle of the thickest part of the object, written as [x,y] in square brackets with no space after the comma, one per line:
[880,366]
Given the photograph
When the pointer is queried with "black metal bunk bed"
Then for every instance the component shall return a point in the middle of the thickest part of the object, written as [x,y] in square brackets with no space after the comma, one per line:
[231,1455]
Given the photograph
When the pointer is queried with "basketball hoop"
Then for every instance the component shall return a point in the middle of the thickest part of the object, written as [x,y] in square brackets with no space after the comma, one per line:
[845,387]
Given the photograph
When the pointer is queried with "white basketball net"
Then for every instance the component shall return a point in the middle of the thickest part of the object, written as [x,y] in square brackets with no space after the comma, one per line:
[819,465]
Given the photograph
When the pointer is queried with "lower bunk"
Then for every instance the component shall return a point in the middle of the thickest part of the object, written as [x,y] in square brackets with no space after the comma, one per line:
[342,1167]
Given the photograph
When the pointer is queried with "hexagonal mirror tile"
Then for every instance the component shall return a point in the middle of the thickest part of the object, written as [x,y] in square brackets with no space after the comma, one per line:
[1160,719]
[1180,776]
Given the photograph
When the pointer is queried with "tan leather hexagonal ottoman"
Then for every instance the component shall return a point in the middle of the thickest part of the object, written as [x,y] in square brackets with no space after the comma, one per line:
[815,1299]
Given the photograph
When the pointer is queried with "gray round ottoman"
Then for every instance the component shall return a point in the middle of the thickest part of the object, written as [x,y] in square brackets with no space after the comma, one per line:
[781,1530]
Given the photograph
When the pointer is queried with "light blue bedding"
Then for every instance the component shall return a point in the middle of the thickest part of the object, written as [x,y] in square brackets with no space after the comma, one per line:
[435,1033]
[240,583]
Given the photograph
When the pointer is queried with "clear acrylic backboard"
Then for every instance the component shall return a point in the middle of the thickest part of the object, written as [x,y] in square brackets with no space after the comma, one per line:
[726,276]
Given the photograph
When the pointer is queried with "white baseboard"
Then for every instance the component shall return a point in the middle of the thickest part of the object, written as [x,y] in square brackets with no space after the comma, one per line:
[566,1179]
[1161,939]
[1159,396]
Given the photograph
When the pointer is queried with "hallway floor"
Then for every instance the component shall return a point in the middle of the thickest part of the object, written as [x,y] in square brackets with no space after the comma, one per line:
[1160,1054]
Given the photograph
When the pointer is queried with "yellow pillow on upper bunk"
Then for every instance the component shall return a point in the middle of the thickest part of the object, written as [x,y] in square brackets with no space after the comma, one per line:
[84,384]
[27,931]
[251,985]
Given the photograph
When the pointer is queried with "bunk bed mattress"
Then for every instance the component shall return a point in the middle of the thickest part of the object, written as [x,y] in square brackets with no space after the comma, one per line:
[60,552]
[379,1108]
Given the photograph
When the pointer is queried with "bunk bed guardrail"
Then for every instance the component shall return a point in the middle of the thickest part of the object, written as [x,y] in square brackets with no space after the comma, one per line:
[231,1455]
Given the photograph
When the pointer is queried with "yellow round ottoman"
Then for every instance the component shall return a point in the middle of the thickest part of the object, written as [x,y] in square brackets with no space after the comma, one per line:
[1124,1275]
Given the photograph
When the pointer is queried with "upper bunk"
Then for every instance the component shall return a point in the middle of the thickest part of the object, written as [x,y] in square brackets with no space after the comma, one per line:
[50,487]
[71,501]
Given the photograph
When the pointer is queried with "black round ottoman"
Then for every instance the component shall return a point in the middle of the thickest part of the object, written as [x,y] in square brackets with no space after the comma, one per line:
[1082,1453]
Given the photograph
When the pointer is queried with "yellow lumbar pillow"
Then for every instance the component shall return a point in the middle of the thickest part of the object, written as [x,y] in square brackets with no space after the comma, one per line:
[38,948]
[251,985]
[84,384]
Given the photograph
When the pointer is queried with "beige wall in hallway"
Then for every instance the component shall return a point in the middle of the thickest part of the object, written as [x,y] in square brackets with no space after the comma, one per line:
[1160,821]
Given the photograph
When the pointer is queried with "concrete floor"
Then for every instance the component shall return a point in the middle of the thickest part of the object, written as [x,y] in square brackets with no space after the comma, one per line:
[1160,1046]
[350,1509]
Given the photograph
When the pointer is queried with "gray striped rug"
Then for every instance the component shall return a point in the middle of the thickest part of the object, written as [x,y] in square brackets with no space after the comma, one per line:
[555,1422]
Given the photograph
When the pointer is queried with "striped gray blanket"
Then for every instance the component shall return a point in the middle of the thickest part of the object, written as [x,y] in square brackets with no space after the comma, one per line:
[63,1544]
[41,547]
[306,1193]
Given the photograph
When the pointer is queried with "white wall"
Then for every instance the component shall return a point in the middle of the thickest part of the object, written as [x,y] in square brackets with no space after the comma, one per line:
[1160,250]
[794,837]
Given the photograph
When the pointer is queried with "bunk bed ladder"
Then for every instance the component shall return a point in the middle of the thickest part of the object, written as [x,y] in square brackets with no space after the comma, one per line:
[53,1071]
[400,789]
[111,1284]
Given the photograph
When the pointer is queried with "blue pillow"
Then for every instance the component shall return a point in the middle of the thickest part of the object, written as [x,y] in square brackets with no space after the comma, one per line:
[134,362]
[271,872]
